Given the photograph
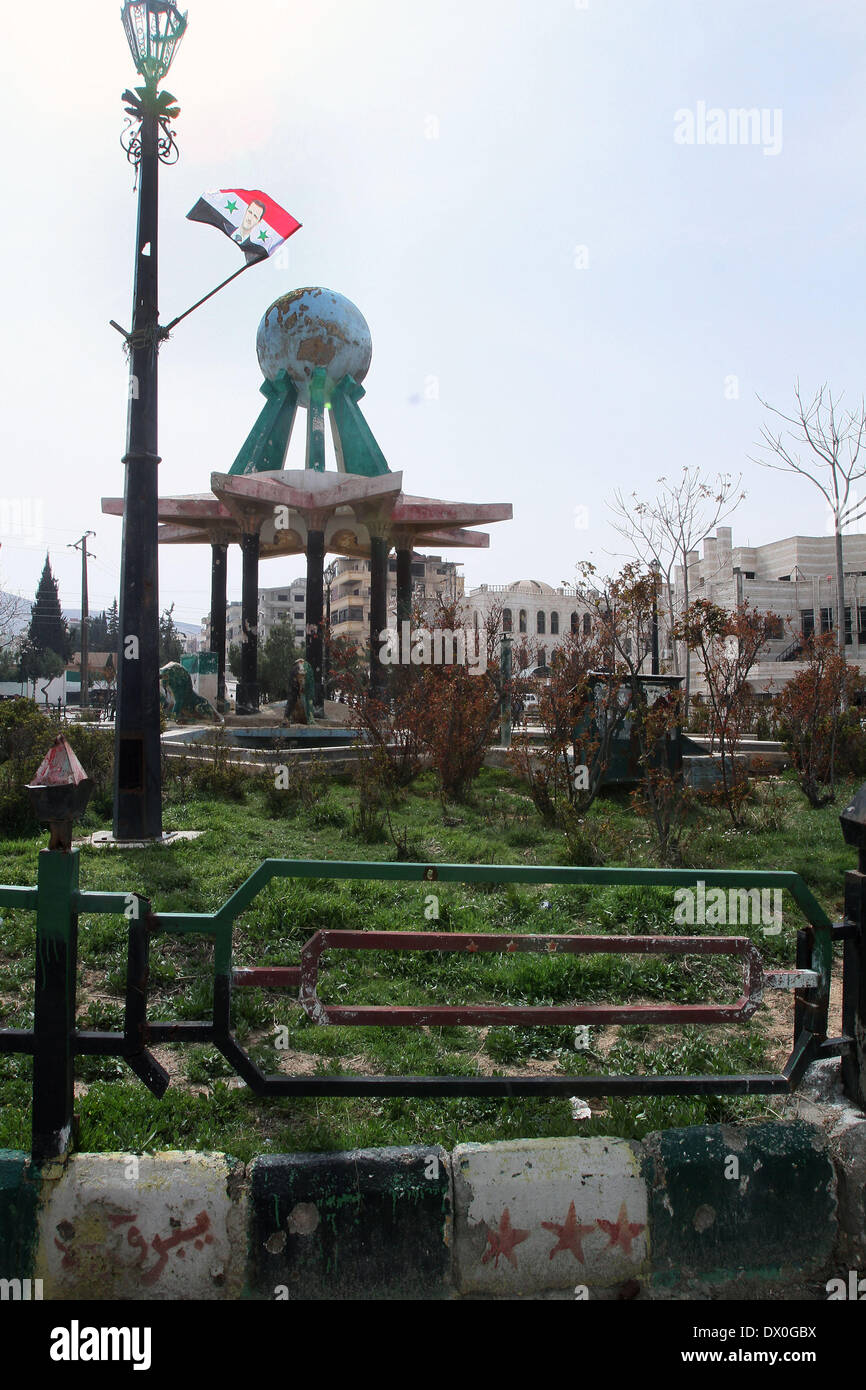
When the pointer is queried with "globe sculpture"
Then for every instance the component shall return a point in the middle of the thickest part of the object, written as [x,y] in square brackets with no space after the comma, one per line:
[314,349]
[310,329]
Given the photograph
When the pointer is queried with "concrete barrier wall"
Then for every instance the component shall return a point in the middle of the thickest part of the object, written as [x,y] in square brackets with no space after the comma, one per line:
[704,1212]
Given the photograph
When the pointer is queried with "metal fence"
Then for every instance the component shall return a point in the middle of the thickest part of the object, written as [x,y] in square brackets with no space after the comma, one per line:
[54,1041]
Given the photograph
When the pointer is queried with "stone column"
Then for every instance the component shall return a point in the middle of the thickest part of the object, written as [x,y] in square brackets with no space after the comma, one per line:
[379,552]
[248,686]
[315,611]
[404,585]
[219,572]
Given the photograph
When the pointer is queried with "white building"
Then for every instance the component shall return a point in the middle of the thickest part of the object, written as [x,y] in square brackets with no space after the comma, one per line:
[286,603]
[535,614]
[794,579]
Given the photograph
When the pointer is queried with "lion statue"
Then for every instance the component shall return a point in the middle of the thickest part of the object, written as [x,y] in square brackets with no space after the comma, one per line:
[178,698]
[302,694]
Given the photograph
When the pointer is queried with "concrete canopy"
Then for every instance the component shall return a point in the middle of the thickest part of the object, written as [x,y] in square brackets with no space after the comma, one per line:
[283,507]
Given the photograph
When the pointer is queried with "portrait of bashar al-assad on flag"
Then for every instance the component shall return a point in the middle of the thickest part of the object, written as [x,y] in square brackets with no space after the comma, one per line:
[253,221]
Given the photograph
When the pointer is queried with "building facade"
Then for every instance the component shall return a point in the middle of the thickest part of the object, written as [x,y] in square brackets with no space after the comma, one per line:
[286,603]
[794,579]
[349,582]
[432,578]
[535,614]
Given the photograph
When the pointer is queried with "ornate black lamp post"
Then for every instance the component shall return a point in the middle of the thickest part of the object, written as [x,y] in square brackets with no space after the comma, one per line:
[154,29]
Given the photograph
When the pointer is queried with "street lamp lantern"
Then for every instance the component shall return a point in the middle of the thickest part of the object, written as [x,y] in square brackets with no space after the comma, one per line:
[154,28]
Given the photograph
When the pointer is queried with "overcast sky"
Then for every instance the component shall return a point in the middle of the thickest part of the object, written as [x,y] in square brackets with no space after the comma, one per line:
[499,188]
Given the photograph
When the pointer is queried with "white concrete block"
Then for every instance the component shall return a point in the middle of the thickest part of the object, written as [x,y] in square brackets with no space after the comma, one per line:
[167,1226]
[548,1214]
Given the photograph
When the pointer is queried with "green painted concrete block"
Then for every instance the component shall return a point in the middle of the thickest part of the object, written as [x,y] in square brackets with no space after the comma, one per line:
[727,1201]
[19,1203]
[373,1224]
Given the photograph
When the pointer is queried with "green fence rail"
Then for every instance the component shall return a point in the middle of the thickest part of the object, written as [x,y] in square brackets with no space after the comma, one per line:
[54,1041]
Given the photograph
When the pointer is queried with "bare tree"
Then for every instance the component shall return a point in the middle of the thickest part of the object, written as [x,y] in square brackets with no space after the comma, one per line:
[12,613]
[835,438]
[663,533]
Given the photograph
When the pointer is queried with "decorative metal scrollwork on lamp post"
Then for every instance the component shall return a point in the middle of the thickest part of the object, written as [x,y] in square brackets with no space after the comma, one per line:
[154,29]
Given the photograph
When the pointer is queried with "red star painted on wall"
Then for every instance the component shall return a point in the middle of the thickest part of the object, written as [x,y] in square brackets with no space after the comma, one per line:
[622,1231]
[503,1241]
[570,1235]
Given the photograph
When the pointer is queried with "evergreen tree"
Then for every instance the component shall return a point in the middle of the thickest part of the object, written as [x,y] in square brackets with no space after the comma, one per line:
[170,639]
[40,663]
[277,656]
[112,621]
[97,638]
[10,665]
[48,631]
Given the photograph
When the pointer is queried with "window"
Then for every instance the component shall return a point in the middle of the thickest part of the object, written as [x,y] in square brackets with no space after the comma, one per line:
[849,637]
[575,622]
[861,624]
[826,619]
[784,578]
[522,620]
[541,624]
[807,622]
[749,574]
[554,624]
[587,625]
[508,620]
[419,571]
[282,598]
[775,629]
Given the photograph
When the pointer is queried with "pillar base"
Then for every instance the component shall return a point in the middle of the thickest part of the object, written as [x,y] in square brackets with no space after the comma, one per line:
[248,699]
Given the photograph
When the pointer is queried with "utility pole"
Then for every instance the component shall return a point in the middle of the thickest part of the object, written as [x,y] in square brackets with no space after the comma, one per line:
[85,554]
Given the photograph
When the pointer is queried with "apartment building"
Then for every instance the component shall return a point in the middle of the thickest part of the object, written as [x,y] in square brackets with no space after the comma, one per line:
[794,579]
[286,603]
[349,579]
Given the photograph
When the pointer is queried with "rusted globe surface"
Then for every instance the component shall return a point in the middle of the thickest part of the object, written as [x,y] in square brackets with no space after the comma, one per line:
[313,328]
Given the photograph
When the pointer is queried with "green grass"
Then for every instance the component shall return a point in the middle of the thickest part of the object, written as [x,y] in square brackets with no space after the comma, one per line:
[205,1108]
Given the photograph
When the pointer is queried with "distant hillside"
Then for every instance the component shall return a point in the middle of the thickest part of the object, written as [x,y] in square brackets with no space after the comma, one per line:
[72,615]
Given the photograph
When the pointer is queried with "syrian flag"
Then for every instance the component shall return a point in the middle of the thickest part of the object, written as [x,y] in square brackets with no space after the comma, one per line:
[256,224]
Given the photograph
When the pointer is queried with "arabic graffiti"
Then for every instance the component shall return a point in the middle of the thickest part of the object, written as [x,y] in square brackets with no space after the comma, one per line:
[199,1234]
